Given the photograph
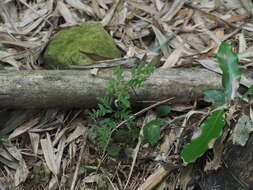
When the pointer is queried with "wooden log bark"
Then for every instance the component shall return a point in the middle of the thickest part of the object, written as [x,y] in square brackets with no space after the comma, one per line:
[80,89]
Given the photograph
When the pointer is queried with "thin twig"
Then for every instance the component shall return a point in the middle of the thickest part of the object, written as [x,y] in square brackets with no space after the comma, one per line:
[78,164]
[136,150]
[141,112]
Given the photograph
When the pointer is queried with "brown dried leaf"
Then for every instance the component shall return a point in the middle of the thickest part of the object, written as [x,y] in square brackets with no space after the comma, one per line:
[81,6]
[162,39]
[201,23]
[248,53]
[103,3]
[53,184]
[21,173]
[66,13]
[7,57]
[80,130]
[33,26]
[106,20]
[158,4]
[9,156]
[96,9]
[168,142]
[144,7]
[242,43]
[22,44]
[23,128]
[29,18]
[50,156]
[173,59]
[35,140]
[175,7]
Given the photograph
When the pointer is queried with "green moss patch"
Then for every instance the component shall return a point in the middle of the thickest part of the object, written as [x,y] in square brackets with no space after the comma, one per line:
[67,46]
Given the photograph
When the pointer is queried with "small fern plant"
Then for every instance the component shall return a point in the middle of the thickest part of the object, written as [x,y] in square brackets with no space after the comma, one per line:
[115,106]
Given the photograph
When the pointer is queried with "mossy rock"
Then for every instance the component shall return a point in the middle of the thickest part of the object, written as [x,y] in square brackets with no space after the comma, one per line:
[67,46]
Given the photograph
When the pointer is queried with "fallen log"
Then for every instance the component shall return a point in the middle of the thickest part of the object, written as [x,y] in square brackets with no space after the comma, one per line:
[80,88]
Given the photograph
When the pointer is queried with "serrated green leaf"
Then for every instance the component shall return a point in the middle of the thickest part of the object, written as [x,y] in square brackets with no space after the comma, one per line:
[162,110]
[228,62]
[210,130]
[151,131]
[216,96]
[103,135]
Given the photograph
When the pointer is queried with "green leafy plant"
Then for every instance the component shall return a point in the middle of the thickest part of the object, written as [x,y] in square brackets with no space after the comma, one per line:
[162,110]
[231,75]
[211,128]
[209,131]
[151,131]
[115,107]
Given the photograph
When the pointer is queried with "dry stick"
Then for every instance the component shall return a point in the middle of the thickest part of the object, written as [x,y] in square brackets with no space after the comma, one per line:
[154,179]
[110,181]
[78,164]
[136,150]
[141,112]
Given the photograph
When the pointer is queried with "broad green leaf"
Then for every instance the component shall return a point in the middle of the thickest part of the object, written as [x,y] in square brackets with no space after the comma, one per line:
[151,131]
[216,96]
[162,110]
[209,131]
[228,62]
